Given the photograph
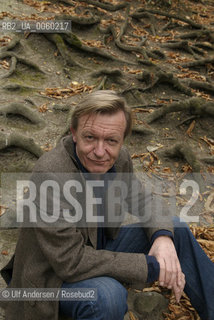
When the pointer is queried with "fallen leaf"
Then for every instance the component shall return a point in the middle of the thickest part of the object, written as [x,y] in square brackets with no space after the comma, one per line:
[4,252]
[191,127]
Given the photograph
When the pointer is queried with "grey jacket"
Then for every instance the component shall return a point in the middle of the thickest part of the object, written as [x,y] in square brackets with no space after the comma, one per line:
[47,257]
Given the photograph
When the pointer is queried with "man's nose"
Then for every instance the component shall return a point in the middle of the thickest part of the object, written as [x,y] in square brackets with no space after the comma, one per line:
[99,149]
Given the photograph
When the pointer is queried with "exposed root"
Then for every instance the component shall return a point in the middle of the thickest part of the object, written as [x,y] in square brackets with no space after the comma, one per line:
[164,77]
[204,86]
[106,6]
[140,12]
[208,160]
[109,72]
[18,140]
[74,41]
[12,68]
[196,35]
[183,151]
[83,21]
[197,63]
[156,54]
[10,45]
[61,107]
[184,46]
[63,50]
[195,106]
[20,109]
[16,86]
[27,62]
[142,130]
[101,85]
[115,74]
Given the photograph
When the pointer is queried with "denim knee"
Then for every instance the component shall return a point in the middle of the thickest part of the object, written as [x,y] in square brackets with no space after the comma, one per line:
[183,237]
[111,299]
[109,305]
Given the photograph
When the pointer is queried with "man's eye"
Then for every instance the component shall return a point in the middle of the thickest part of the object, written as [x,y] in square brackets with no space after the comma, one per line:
[112,141]
[89,138]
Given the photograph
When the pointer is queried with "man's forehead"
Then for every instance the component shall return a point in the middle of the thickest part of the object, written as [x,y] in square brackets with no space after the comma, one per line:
[104,119]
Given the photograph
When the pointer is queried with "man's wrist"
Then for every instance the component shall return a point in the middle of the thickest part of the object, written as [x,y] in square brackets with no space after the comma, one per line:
[160,233]
[153,269]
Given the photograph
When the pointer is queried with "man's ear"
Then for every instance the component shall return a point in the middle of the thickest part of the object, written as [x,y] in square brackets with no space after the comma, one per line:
[73,134]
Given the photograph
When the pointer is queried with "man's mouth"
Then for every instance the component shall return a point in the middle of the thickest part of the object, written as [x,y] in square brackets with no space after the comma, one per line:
[99,162]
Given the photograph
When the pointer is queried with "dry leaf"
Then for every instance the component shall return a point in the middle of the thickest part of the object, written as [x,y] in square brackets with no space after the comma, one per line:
[2,210]
[191,127]
[4,252]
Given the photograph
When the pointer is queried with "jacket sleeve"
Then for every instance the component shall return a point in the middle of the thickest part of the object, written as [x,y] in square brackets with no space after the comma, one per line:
[72,260]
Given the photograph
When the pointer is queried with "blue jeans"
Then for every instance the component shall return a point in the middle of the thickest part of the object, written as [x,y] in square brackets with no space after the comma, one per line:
[111,294]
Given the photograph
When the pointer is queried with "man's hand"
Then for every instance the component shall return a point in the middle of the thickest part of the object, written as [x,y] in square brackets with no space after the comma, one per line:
[171,275]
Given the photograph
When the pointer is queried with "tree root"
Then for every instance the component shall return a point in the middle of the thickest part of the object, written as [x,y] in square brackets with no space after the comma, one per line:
[185,152]
[147,62]
[12,68]
[156,54]
[139,13]
[142,130]
[106,6]
[196,34]
[27,62]
[63,50]
[10,45]
[195,106]
[164,77]
[102,83]
[16,86]
[184,46]
[17,140]
[83,21]
[197,63]
[20,109]
[208,160]
[61,107]
[204,86]
[74,41]
[115,74]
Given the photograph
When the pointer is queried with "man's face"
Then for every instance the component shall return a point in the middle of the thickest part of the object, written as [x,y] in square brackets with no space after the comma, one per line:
[99,138]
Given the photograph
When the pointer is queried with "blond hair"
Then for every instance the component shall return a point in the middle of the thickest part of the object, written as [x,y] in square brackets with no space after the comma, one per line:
[102,101]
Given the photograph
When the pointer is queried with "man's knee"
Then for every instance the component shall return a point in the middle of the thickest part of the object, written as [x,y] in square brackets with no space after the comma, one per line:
[182,234]
[111,299]
[109,304]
